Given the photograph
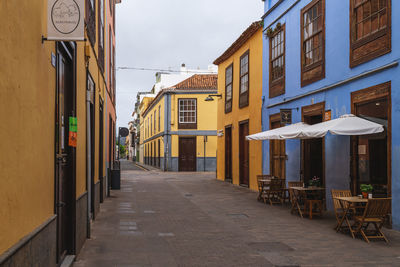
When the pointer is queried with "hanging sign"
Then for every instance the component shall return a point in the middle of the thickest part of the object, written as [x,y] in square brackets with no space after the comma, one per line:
[73,131]
[328,115]
[73,124]
[65,20]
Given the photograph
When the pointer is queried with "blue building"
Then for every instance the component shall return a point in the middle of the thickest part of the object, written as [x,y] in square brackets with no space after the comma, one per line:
[323,59]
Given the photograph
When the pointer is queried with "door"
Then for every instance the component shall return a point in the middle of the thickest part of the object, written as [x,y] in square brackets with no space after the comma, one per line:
[90,143]
[187,154]
[65,156]
[228,154]
[159,154]
[277,153]
[372,152]
[243,154]
[101,150]
[313,158]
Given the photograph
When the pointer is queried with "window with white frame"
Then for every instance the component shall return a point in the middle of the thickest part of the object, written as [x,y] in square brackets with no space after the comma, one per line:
[187,109]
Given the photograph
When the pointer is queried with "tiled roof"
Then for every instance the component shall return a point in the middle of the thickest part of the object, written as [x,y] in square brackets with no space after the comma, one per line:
[246,35]
[198,82]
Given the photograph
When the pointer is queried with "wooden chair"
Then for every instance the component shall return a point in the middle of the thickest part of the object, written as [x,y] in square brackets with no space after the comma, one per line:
[262,185]
[313,203]
[337,206]
[295,200]
[375,213]
[274,194]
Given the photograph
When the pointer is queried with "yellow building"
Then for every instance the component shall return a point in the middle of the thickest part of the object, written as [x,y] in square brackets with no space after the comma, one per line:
[178,128]
[52,144]
[239,109]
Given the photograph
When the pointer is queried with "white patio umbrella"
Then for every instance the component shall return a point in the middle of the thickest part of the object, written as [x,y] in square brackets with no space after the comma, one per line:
[348,124]
[287,132]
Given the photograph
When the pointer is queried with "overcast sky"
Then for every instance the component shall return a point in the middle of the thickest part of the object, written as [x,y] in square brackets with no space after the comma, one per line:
[164,34]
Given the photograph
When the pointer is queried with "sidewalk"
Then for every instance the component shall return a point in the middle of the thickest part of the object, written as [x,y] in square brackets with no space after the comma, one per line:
[191,219]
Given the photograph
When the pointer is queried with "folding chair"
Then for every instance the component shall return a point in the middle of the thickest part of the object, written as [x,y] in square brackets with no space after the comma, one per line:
[375,213]
[295,200]
[337,206]
[274,194]
[262,185]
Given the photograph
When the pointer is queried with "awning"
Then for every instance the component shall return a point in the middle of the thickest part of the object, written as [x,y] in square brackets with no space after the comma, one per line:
[345,125]
[287,132]
[348,124]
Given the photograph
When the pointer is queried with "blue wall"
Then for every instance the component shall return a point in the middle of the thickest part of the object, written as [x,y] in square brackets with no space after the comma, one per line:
[338,99]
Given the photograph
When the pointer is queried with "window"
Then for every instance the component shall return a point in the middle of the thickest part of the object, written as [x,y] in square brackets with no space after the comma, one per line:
[313,42]
[370,30]
[228,88]
[151,125]
[101,34]
[277,62]
[244,80]
[155,125]
[159,118]
[187,109]
[110,60]
[91,20]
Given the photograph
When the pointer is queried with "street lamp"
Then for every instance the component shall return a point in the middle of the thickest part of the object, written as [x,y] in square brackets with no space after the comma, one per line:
[210,97]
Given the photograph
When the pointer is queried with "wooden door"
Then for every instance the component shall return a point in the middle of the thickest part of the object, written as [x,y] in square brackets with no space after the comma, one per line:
[187,154]
[371,154]
[65,158]
[101,149]
[313,153]
[277,153]
[243,154]
[159,154]
[228,154]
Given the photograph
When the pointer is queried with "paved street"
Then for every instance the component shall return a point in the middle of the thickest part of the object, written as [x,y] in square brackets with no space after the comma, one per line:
[191,219]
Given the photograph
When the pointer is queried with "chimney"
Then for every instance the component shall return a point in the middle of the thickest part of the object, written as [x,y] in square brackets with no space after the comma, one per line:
[183,68]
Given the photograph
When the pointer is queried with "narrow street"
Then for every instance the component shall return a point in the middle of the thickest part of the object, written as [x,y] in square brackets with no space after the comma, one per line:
[191,219]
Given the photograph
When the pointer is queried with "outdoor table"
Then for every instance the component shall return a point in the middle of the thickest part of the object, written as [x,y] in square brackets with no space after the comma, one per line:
[302,191]
[351,203]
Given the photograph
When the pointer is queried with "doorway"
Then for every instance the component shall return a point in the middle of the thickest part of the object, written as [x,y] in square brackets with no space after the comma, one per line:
[187,154]
[228,153]
[101,150]
[159,153]
[65,157]
[243,153]
[371,157]
[277,150]
[90,143]
[313,156]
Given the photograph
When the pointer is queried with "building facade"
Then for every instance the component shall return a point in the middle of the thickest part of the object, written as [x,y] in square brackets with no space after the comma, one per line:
[52,98]
[110,95]
[178,127]
[239,109]
[342,59]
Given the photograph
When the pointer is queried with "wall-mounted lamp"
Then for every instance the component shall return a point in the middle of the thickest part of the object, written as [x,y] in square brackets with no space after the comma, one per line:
[210,97]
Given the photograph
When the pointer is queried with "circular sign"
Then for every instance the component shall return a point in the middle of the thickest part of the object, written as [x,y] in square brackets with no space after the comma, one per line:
[123,132]
[65,16]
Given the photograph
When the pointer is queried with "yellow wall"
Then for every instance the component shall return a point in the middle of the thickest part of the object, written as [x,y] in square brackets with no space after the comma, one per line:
[27,113]
[252,112]
[206,121]
[27,82]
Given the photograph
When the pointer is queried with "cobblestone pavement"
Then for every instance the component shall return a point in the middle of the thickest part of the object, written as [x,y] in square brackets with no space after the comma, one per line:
[191,219]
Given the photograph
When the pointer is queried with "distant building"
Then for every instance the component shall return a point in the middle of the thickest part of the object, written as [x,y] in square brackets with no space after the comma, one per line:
[163,80]
[239,110]
[178,127]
